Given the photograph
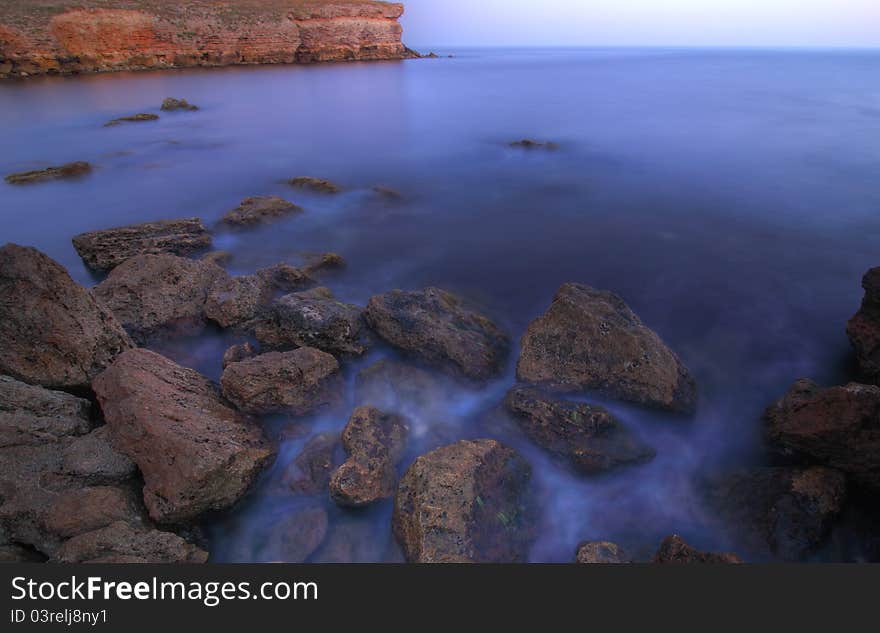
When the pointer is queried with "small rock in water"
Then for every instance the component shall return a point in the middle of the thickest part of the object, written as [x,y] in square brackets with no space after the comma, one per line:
[309,473]
[171,104]
[324,261]
[601,553]
[68,170]
[387,192]
[674,550]
[863,328]
[258,210]
[135,118]
[319,185]
[374,441]
[528,143]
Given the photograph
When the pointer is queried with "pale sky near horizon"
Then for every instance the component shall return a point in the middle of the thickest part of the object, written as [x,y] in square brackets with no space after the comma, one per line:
[835,23]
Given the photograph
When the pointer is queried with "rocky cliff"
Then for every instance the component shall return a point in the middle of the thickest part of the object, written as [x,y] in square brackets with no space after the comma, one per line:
[71,36]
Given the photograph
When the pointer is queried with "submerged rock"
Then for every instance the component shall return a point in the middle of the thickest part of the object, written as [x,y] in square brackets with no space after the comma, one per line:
[106,249]
[53,331]
[466,502]
[837,427]
[295,536]
[435,327]
[601,553]
[590,340]
[674,550]
[259,210]
[68,170]
[309,473]
[134,118]
[238,353]
[374,442]
[863,328]
[313,319]
[392,384]
[528,143]
[586,436]
[387,193]
[151,294]
[195,453]
[314,184]
[121,542]
[170,104]
[297,382]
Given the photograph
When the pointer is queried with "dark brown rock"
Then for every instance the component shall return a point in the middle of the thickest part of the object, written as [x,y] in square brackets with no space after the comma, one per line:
[92,508]
[601,553]
[309,473]
[69,170]
[590,340]
[258,210]
[466,502]
[318,185]
[238,353]
[53,332]
[318,263]
[374,442]
[863,328]
[121,542]
[296,382]
[134,118]
[586,436]
[35,415]
[434,326]
[838,427]
[170,104]
[106,249]
[674,550]
[195,453]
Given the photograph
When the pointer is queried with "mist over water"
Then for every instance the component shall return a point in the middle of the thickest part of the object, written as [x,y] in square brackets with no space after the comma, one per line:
[729,197]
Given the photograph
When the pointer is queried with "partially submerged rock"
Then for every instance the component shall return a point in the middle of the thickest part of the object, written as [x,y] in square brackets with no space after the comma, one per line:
[170,104]
[590,340]
[374,442]
[466,502]
[220,258]
[258,210]
[317,263]
[68,170]
[387,193]
[586,436]
[238,353]
[674,550]
[434,326]
[393,385]
[134,118]
[236,301]
[106,249]
[863,328]
[528,143]
[121,542]
[53,331]
[309,473]
[313,318]
[601,553]
[292,538]
[837,427]
[297,382]
[195,453]
[318,185]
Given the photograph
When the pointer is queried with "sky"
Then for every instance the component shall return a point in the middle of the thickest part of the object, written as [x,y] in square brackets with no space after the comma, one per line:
[822,23]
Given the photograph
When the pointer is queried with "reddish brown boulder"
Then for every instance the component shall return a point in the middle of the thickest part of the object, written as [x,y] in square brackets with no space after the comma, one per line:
[236,301]
[53,332]
[309,473]
[259,210]
[590,340]
[195,453]
[106,249]
[863,328]
[601,553]
[674,550]
[586,436]
[837,427]
[435,326]
[374,442]
[121,542]
[297,382]
[88,509]
[466,502]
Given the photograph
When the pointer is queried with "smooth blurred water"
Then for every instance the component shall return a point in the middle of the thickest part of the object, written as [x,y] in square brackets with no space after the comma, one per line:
[731,197]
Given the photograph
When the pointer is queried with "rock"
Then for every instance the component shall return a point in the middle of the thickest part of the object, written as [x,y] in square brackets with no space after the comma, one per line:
[387,193]
[836,427]
[195,453]
[135,118]
[674,550]
[90,509]
[863,328]
[68,170]
[590,340]
[35,415]
[353,541]
[314,319]
[528,143]
[374,442]
[297,382]
[601,553]
[13,553]
[466,502]
[324,261]
[309,473]
[318,185]
[259,210]
[158,294]
[53,331]
[392,384]
[586,436]
[434,326]
[295,536]
[238,353]
[786,512]
[220,258]
[431,55]
[104,250]
[171,104]
[93,460]
[236,301]
[124,543]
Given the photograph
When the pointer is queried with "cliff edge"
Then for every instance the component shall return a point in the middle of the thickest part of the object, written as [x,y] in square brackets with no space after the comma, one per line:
[39,37]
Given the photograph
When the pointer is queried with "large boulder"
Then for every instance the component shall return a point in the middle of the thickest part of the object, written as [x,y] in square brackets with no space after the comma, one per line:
[466,502]
[258,210]
[586,436]
[435,326]
[151,294]
[601,553]
[237,301]
[863,328]
[34,415]
[297,382]
[313,319]
[675,550]
[121,542]
[590,340]
[106,249]
[53,332]
[374,442]
[785,513]
[195,453]
[837,427]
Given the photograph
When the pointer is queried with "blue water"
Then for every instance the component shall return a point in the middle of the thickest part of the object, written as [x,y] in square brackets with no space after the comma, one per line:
[731,197]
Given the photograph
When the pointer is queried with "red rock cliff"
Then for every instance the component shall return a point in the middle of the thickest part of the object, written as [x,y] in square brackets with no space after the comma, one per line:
[69,36]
